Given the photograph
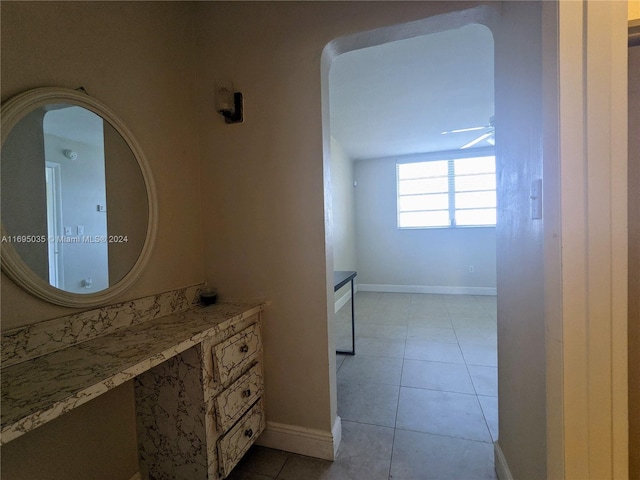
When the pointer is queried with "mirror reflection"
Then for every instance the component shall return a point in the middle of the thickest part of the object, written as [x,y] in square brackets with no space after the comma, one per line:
[74,201]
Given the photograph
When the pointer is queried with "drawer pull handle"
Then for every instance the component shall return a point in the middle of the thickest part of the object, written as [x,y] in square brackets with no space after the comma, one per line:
[246,393]
[244,348]
[248,433]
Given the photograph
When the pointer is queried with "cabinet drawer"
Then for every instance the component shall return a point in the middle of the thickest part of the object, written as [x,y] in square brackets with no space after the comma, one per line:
[236,353]
[235,400]
[233,445]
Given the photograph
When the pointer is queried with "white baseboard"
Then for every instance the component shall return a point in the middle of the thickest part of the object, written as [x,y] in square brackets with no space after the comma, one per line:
[502,468]
[342,301]
[371,287]
[336,431]
[304,441]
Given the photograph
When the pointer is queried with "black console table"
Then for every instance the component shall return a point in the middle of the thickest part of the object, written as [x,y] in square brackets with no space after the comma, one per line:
[340,279]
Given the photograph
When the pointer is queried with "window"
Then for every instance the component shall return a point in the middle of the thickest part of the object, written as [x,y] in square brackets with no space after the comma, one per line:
[447,192]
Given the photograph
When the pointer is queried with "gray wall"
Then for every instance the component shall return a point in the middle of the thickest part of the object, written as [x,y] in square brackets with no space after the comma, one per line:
[427,258]
[124,204]
[263,181]
[344,220]
[137,58]
[520,276]
[24,187]
[117,54]
[82,183]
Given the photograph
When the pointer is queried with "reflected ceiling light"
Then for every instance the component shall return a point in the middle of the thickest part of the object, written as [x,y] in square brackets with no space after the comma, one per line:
[229,103]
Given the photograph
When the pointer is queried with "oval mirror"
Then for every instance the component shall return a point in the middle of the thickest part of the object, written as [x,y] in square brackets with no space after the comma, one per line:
[77,199]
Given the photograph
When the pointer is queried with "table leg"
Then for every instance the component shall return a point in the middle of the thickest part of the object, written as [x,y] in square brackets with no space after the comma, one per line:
[353,325]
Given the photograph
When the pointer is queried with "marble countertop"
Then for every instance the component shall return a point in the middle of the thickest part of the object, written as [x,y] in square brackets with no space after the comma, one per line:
[41,389]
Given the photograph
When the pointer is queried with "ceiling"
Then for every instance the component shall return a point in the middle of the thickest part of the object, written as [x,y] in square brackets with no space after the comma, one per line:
[397,98]
[74,123]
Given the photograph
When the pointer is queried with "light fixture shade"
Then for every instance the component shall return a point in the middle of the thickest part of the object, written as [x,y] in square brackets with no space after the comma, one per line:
[229,103]
[70,154]
[224,98]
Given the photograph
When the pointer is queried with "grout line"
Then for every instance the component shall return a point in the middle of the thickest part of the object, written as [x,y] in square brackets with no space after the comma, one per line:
[490,441]
[441,391]
[484,415]
[395,420]
[282,467]
[375,305]
[360,422]
[393,444]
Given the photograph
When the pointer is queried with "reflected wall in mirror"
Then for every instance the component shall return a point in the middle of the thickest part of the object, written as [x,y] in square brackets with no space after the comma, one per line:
[78,205]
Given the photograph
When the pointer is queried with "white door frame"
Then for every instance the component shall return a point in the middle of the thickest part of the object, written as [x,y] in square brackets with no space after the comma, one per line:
[586,291]
[54,225]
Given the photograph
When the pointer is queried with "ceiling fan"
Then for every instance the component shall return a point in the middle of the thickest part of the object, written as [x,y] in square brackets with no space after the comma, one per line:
[487,135]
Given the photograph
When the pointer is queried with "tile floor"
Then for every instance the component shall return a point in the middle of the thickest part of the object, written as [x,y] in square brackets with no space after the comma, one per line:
[418,401]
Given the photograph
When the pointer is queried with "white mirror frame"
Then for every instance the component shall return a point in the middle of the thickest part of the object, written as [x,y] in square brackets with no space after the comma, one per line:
[12,264]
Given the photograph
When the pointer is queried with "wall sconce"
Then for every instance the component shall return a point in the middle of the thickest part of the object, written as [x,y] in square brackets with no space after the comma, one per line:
[229,103]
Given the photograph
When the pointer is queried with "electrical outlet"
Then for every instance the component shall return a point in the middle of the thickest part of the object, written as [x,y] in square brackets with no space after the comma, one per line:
[471,270]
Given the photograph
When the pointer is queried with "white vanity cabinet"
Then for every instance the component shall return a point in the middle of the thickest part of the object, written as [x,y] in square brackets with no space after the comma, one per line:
[199,412]
[197,374]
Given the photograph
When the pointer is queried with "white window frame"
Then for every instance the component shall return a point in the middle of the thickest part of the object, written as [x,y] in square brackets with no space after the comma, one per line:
[450,157]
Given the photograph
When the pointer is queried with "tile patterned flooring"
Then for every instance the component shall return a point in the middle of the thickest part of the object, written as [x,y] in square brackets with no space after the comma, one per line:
[418,401]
